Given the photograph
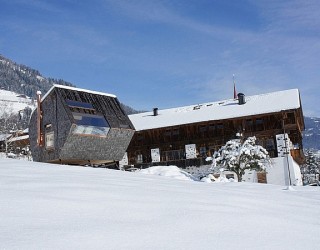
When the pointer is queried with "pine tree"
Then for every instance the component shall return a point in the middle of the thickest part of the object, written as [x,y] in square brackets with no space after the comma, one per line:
[311,168]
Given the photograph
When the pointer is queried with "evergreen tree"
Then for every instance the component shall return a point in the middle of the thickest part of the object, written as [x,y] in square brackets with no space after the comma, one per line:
[311,168]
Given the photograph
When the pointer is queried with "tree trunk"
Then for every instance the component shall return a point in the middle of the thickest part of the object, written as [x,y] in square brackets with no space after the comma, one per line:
[239,175]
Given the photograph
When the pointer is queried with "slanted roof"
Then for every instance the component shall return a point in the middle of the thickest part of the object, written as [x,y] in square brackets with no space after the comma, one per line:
[19,138]
[75,89]
[3,137]
[226,109]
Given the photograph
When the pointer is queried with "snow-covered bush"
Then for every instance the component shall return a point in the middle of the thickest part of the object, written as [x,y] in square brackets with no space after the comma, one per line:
[238,156]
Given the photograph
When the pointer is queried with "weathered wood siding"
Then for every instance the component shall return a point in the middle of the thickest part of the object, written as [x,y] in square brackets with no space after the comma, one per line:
[108,106]
[54,113]
[209,136]
[76,148]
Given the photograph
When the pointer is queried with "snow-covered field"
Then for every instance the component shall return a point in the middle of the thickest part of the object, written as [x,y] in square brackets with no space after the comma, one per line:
[45,206]
[13,102]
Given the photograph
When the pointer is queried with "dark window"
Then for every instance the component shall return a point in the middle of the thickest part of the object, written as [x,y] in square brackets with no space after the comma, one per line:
[212,130]
[202,129]
[259,121]
[219,126]
[290,118]
[140,137]
[249,125]
[175,134]
[77,104]
[270,144]
[173,155]
[211,127]
[259,124]
[90,120]
[203,151]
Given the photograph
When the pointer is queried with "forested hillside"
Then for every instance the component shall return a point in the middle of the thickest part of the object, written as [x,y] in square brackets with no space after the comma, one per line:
[311,136]
[24,80]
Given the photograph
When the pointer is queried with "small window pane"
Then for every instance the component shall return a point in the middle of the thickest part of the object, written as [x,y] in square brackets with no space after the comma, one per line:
[49,140]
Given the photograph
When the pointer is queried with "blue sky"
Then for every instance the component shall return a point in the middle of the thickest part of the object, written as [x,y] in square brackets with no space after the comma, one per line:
[169,53]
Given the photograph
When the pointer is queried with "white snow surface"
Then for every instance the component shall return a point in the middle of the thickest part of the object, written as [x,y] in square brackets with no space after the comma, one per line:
[44,206]
[168,171]
[256,104]
[76,89]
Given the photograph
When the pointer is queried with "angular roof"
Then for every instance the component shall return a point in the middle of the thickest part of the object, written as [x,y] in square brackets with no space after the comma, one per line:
[19,138]
[226,109]
[76,89]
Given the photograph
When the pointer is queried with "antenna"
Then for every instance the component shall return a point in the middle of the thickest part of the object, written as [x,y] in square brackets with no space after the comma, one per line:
[234,88]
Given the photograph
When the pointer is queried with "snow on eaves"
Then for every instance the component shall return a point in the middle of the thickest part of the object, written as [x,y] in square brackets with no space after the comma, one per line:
[76,89]
[226,109]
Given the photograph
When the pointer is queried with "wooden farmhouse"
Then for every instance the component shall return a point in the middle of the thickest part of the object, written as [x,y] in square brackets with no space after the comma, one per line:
[185,136]
[77,126]
[19,141]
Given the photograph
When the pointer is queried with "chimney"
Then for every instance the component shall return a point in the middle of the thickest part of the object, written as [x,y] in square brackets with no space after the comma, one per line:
[39,118]
[155,111]
[241,99]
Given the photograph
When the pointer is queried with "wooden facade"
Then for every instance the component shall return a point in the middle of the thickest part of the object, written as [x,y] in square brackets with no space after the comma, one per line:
[209,135]
[79,127]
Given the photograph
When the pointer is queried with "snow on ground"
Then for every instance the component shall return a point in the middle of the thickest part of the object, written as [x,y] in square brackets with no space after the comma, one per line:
[169,171]
[45,206]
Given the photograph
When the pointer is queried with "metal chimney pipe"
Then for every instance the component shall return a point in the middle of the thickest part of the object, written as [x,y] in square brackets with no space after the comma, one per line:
[155,111]
[39,118]
[241,99]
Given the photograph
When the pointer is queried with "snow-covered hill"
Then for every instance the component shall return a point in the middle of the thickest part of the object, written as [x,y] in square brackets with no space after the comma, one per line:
[45,206]
[14,101]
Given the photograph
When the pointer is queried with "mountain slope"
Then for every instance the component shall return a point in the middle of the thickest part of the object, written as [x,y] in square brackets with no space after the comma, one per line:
[311,136]
[23,79]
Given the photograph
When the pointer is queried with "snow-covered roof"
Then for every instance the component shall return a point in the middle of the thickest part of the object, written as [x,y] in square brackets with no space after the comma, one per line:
[226,109]
[4,136]
[19,138]
[76,89]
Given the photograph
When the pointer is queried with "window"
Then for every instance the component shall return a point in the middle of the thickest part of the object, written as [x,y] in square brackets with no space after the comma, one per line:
[87,120]
[220,126]
[259,124]
[249,125]
[173,155]
[202,128]
[50,140]
[212,130]
[77,104]
[203,151]
[175,134]
[90,124]
[270,144]
[140,158]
